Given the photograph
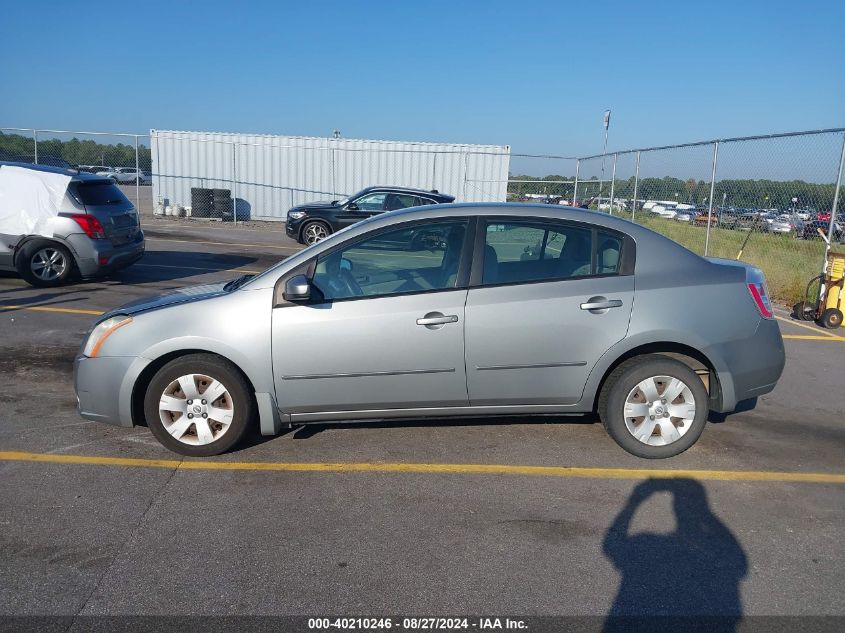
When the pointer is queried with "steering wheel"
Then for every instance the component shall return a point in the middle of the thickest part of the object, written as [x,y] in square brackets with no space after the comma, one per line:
[342,285]
[352,285]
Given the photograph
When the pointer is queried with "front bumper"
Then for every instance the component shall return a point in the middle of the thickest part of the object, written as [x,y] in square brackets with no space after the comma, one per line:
[292,227]
[104,387]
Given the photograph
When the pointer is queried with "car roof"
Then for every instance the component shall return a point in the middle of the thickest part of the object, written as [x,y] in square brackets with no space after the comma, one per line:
[76,175]
[411,190]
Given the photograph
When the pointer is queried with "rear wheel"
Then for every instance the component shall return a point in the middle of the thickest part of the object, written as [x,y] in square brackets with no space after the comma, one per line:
[198,405]
[44,264]
[313,232]
[831,318]
[654,406]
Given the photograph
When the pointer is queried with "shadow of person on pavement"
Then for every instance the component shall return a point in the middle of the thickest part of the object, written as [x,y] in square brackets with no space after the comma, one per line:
[683,580]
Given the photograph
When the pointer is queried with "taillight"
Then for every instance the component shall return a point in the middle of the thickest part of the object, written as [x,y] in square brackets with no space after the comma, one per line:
[92,226]
[757,287]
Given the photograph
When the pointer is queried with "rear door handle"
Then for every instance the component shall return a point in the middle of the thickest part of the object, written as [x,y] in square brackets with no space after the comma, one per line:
[598,305]
[437,319]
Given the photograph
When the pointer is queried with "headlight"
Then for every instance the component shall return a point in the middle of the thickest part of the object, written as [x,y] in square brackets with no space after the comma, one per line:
[102,331]
[295,215]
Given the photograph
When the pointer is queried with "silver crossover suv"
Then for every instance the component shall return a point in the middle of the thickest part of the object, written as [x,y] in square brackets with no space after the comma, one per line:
[96,231]
[508,309]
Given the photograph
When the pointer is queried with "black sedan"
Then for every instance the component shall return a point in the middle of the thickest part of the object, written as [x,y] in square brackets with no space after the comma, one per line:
[311,222]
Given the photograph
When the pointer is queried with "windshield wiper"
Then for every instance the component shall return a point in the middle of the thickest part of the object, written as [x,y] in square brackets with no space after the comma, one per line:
[237,283]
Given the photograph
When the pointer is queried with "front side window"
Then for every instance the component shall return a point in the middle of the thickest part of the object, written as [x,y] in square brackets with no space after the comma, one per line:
[371,202]
[414,258]
[524,252]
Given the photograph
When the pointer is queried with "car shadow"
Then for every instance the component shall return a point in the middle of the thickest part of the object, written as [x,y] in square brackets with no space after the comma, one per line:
[687,579]
[305,431]
[158,266]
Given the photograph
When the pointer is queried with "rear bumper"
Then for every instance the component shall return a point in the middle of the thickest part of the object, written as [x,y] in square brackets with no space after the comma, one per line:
[90,253]
[104,387]
[750,367]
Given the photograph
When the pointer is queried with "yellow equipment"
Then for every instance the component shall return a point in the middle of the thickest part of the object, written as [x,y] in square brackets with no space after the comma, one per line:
[827,308]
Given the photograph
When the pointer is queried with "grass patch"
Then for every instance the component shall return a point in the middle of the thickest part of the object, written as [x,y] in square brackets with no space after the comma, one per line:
[788,262]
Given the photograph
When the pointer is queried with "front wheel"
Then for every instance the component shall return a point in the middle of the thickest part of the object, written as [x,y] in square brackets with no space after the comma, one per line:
[313,232]
[198,405]
[654,406]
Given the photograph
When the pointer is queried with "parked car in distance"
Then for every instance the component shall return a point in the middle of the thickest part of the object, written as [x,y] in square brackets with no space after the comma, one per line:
[685,215]
[96,232]
[811,230]
[126,175]
[518,309]
[309,223]
[781,225]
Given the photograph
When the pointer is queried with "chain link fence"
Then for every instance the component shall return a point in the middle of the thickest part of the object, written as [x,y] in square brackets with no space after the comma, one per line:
[769,200]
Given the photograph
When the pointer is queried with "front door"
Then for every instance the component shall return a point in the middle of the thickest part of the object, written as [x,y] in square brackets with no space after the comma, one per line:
[386,330]
[549,303]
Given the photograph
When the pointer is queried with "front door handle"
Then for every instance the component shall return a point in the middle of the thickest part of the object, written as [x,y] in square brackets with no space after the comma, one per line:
[600,305]
[435,320]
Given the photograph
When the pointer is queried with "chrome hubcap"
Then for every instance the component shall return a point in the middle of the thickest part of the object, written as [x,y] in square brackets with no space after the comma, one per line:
[314,233]
[196,409]
[48,264]
[659,410]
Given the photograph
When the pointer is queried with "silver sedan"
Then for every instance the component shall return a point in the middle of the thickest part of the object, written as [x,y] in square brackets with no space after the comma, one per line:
[508,309]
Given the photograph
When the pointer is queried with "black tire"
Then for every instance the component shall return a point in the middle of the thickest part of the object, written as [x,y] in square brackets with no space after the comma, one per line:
[34,252]
[624,378]
[803,311]
[831,318]
[304,236]
[243,402]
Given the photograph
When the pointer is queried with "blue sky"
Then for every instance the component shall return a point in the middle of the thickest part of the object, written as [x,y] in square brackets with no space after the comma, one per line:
[534,75]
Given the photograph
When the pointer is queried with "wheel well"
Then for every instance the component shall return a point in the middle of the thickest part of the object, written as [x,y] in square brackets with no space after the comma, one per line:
[139,390]
[314,221]
[29,239]
[690,356]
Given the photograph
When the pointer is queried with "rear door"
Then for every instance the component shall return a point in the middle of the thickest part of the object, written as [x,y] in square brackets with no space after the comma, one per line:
[104,200]
[547,301]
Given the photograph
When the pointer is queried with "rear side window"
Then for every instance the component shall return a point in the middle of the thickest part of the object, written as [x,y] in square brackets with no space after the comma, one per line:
[608,251]
[400,201]
[516,252]
[99,193]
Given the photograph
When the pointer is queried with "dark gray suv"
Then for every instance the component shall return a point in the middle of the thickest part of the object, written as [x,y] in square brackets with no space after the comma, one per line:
[96,231]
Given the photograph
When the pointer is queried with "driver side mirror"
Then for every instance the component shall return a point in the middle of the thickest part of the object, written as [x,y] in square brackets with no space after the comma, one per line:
[297,288]
[352,207]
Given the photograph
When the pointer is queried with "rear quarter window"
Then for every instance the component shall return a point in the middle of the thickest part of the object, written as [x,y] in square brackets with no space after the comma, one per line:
[99,193]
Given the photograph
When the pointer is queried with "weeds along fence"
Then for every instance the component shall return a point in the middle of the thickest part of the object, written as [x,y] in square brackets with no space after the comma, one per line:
[759,198]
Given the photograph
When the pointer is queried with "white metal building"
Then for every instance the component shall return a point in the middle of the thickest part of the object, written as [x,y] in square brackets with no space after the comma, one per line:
[269,174]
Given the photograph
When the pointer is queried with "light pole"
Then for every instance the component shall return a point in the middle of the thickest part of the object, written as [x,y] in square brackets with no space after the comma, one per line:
[604,151]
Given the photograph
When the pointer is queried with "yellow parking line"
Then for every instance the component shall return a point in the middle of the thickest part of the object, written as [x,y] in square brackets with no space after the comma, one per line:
[49,309]
[810,337]
[806,327]
[167,239]
[461,469]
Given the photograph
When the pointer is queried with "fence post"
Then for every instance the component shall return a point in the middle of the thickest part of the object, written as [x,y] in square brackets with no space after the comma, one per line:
[234,189]
[35,142]
[137,181]
[834,208]
[636,184]
[575,191]
[613,182]
[434,171]
[712,194]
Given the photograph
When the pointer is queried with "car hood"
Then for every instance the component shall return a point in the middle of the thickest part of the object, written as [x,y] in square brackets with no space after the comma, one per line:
[311,206]
[183,295]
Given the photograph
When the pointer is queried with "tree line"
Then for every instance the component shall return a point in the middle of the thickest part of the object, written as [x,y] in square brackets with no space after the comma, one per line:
[75,151]
[739,193]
